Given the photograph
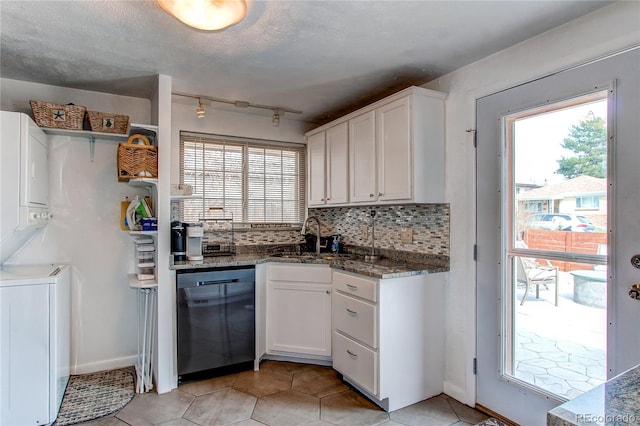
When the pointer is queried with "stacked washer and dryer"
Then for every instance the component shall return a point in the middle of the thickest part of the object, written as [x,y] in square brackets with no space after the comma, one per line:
[35,300]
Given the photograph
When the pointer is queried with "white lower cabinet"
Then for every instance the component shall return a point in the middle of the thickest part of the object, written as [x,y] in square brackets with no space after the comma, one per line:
[298,310]
[388,336]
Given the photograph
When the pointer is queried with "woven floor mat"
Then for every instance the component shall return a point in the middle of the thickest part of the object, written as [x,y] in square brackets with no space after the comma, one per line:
[95,395]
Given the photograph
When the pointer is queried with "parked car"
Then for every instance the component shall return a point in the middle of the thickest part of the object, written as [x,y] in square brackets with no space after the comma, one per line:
[561,222]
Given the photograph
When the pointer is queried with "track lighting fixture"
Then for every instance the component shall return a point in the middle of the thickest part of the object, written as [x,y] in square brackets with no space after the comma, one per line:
[200,111]
[278,112]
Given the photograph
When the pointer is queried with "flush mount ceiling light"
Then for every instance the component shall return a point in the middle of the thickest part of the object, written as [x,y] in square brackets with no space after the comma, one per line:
[208,15]
[200,110]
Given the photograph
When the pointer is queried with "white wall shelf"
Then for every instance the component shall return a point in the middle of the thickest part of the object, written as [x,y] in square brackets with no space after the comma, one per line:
[151,233]
[143,182]
[134,282]
[92,136]
[86,134]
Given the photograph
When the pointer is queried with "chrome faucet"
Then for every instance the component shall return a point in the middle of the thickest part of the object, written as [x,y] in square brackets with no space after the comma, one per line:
[304,231]
[372,257]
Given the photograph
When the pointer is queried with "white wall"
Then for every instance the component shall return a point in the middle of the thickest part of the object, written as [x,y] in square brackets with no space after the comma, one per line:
[84,232]
[602,32]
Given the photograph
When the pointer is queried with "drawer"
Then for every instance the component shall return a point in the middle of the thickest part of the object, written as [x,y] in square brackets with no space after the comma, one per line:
[355,361]
[356,318]
[299,273]
[356,286]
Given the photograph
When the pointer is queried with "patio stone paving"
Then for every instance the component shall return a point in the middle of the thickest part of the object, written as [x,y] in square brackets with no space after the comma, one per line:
[560,349]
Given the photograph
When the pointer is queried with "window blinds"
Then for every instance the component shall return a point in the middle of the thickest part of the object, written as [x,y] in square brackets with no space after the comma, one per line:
[249,180]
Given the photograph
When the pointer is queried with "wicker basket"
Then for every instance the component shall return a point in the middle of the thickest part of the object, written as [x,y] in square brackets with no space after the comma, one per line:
[137,161]
[58,116]
[108,123]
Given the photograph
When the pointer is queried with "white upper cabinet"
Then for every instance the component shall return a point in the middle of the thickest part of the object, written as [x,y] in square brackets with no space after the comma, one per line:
[362,158]
[393,140]
[328,166]
[316,173]
[396,152]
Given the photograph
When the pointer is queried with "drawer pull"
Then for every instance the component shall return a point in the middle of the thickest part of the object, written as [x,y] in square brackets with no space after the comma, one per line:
[352,287]
[352,312]
[352,354]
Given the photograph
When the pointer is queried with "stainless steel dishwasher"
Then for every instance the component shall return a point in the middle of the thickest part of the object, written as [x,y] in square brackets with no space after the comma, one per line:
[216,318]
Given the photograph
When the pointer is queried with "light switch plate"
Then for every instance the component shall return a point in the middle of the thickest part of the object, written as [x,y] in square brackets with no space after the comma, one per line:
[364,231]
[406,235]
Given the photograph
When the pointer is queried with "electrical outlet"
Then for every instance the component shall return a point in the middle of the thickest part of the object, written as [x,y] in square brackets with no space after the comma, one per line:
[364,231]
[406,235]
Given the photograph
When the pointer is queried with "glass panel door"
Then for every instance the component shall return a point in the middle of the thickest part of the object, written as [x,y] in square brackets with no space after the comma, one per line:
[555,337]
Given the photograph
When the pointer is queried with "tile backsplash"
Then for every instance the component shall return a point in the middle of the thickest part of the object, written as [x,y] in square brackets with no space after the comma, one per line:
[429,223]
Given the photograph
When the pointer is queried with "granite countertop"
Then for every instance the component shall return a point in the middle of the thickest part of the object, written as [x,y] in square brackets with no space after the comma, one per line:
[382,268]
[616,402]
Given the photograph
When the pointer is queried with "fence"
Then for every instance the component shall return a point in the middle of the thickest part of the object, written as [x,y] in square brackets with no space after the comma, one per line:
[575,242]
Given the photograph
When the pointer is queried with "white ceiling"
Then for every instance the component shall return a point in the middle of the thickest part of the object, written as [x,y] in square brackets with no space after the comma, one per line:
[324,58]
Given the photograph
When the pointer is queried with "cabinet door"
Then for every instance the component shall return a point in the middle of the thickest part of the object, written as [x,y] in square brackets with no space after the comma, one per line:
[37,168]
[393,135]
[316,154]
[337,143]
[24,368]
[299,318]
[362,158]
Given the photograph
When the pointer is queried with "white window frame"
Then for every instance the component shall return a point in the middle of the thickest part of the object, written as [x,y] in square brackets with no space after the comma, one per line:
[592,206]
[216,195]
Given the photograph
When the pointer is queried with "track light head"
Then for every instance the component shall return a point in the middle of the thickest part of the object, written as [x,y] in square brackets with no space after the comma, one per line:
[200,111]
[276,118]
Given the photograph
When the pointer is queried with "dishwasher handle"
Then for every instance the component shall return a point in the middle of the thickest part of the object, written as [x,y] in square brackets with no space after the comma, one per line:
[216,282]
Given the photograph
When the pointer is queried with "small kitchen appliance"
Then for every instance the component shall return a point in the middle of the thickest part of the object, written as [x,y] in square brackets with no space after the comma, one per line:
[195,232]
[178,241]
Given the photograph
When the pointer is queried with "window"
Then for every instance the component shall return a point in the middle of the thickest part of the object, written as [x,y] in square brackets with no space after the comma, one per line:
[533,206]
[251,181]
[591,202]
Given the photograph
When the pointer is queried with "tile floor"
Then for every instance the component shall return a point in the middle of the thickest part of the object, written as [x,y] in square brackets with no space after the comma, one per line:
[281,393]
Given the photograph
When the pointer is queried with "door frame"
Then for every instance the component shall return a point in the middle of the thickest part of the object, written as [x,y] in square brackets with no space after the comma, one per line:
[491,242]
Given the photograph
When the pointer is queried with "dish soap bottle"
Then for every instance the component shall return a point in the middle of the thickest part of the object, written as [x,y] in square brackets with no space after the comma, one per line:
[335,245]
[124,204]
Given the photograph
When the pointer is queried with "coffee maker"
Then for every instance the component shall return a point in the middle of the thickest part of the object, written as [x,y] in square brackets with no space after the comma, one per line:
[178,241]
[195,232]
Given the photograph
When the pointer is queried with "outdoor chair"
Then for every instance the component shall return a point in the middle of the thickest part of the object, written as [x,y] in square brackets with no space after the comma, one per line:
[530,273]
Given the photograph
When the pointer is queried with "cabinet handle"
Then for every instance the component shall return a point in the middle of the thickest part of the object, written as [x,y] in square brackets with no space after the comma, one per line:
[328,292]
[328,198]
[380,194]
[371,195]
[352,312]
[352,287]
[352,354]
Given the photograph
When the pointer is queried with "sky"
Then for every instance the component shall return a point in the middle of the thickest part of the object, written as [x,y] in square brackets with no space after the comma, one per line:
[539,141]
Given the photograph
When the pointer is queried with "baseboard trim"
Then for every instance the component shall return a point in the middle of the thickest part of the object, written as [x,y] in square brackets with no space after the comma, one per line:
[492,413]
[110,364]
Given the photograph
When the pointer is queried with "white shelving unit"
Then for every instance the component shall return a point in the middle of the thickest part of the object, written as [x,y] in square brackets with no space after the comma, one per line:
[147,294]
